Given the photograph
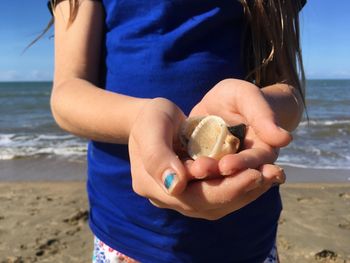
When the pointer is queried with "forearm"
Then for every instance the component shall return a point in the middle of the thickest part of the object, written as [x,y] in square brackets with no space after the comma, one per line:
[82,109]
[286,103]
[77,104]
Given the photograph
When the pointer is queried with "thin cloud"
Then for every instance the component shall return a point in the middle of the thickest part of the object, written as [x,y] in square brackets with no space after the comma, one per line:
[9,75]
[33,75]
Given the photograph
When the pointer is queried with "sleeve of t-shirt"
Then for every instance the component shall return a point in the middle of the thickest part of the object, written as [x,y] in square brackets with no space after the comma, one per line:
[49,5]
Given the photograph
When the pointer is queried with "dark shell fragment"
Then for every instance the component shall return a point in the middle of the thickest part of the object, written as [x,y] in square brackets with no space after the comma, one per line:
[238,131]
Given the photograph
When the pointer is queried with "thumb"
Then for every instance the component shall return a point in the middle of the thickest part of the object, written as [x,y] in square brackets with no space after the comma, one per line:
[261,118]
[159,158]
[268,131]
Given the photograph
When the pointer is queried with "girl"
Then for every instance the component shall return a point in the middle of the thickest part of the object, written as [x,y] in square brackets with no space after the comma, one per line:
[127,73]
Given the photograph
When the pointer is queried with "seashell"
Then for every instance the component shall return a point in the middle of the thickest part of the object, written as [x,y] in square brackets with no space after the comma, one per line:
[210,136]
[187,129]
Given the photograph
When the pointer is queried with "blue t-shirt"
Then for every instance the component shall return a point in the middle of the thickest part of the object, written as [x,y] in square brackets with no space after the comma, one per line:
[175,49]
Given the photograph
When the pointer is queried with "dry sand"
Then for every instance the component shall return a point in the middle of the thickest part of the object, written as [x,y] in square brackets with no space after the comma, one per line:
[315,223]
[47,222]
[44,222]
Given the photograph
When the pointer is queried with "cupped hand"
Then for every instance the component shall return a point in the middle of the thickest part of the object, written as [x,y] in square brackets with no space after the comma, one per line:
[238,101]
[159,175]
[213,199]
[151,141]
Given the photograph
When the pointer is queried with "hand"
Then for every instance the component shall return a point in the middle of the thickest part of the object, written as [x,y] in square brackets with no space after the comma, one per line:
[151,141]
[239,101]
[152,156]
[215,198]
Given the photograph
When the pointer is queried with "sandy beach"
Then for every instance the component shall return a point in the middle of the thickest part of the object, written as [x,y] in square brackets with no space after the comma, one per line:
[315,223]
[45,220]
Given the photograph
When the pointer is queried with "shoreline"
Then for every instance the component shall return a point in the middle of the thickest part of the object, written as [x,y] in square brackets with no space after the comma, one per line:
[42,169]
[65,169]
[315,175]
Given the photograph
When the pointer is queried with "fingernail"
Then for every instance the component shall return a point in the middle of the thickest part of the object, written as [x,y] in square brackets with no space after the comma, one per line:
[169,180]
[202,176]
[285,131]
[226,173]
[280,179]
[281,129]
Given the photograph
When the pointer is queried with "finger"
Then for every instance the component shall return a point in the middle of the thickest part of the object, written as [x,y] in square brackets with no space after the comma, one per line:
[197,110]
[272,175]
[212,194]
[249,158]
[219,203]
[156,203]
[158,156]
[203,167]
[254,194]
[187,211]
[261,117]
[162,163]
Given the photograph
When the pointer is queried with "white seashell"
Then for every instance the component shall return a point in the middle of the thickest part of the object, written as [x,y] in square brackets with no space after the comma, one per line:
[187,129]
[208,136]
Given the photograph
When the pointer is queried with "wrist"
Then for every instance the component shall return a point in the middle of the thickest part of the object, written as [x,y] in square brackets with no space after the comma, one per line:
[139,106]
[161,108]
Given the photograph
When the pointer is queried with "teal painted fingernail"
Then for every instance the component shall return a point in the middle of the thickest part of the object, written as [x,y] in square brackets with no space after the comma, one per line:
[169,180]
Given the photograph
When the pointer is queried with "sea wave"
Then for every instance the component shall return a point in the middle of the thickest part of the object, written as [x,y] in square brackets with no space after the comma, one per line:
[14,146]
[315,159]
[313,166]
[307,150]
[324,123]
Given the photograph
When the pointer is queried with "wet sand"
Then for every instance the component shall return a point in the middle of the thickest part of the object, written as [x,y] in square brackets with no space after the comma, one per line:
[63,169]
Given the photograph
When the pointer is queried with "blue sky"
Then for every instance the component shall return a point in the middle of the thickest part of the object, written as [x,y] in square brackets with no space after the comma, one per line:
[325,28]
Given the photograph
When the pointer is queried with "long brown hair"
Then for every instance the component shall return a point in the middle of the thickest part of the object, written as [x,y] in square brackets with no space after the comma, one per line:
[272,43]
[271,50]
[73,11]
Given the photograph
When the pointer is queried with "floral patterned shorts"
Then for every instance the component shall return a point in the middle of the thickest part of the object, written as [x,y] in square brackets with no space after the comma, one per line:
[105,254]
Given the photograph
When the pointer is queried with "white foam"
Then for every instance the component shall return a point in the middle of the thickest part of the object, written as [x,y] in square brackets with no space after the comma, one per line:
[319,166]
[27,145]
[324,123]
[4,156]
[55,137]
[6,139]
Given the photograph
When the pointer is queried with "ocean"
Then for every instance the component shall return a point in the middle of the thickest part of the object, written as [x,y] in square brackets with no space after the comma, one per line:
[27,129]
